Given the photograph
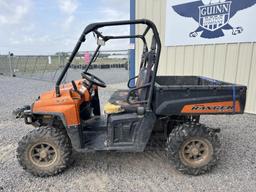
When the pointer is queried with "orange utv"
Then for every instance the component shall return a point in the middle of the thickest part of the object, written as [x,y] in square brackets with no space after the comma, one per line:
[163,107]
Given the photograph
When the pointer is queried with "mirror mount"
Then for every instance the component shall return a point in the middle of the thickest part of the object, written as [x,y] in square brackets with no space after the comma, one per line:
[100,41]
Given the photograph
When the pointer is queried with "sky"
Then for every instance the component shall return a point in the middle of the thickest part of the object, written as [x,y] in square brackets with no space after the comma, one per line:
[30,27]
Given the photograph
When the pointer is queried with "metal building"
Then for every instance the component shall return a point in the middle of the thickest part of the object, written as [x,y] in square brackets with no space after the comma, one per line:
[235,63]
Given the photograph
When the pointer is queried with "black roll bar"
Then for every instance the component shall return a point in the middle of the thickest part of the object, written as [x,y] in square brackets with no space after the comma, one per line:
[94,28]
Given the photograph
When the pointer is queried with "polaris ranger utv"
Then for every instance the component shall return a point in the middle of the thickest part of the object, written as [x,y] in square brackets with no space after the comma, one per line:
[69,117]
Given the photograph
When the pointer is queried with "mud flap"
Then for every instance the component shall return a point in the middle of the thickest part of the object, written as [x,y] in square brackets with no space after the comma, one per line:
[145,130]
[74,136]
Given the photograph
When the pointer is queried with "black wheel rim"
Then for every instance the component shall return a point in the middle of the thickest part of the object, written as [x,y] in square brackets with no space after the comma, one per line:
[196,152]
[43,154]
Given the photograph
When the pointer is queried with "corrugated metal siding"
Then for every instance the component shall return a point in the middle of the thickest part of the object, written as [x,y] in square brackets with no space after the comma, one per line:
[234,63]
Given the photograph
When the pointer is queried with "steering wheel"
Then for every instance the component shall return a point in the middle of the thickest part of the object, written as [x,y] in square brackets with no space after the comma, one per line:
[93,79]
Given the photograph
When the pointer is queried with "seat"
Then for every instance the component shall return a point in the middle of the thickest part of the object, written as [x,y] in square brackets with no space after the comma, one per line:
[118,101]
[119,95]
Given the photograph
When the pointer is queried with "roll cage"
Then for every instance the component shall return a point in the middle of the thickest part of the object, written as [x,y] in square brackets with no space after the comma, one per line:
[155,47]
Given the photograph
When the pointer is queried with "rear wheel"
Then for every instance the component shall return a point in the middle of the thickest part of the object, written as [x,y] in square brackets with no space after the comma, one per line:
[44,151]
[193,148]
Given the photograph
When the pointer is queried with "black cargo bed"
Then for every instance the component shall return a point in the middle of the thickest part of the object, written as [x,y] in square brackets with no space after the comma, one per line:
[175,95]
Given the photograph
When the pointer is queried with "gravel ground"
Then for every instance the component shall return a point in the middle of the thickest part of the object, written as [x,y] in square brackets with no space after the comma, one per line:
[112,171]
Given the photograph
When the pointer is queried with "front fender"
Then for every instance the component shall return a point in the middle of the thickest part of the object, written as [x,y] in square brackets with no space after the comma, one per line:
[74,132]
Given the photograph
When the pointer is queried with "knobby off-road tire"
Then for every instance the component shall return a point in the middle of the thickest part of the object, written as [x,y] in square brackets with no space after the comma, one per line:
[45,151]
[193,148]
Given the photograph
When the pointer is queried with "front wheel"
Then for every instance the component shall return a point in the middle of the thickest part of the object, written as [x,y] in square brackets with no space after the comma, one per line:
[193,148]
[44,151]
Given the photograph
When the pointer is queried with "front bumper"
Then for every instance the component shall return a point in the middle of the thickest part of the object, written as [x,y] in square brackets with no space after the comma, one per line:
[19,112]
[28,116]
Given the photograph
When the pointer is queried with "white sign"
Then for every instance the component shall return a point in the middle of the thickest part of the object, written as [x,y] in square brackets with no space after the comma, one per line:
[49,60]
[190,22]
